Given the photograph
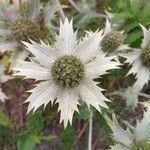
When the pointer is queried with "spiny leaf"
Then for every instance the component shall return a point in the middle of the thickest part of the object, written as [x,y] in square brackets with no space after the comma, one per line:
[36,122]
[67,138]
[121,136]
[84,113]
[25,142]
[132,37]
[135,6]
[145,15]
[121,16]
[4,120]
[130,26]
[39,138]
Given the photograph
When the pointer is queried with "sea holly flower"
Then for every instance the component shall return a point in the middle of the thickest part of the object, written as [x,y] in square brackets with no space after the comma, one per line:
[20,25]
[112,41]
[140,61]
[135,138]
[66,70]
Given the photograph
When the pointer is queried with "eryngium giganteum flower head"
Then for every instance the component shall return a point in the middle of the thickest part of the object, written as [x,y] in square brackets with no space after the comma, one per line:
[112,41]
[17,25]
[137,138]
[66,70]
[140,61]
[22,24]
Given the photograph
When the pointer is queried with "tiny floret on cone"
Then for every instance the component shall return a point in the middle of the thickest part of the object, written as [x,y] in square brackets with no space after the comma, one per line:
[140,145]
[68,71]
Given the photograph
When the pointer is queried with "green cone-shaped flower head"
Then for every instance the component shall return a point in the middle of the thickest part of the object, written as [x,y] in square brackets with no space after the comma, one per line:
[68,71]
[24,29]
[140,145]
[111,41]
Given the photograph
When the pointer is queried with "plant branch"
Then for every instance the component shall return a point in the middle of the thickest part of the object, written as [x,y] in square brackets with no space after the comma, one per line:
[74,5]
[62,14]
[90,131]
[16,3]
[99,15]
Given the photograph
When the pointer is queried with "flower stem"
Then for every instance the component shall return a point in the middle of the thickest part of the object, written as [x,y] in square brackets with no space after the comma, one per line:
[16,3]
[62,14]
[74,5]
[90,131]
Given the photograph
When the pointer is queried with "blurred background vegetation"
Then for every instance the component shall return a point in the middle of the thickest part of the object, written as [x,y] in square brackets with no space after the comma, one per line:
[41,130]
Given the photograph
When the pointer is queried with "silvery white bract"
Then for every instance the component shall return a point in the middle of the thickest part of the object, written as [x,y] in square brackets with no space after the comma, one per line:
[3,78]
[137,136]
[66,71]
[141,71]
[2,95]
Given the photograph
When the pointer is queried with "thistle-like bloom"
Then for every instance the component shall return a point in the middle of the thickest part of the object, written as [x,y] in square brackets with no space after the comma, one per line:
[140,61]
[66,71]
[112,41]
[17,25]
[21,25]
[137,138]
